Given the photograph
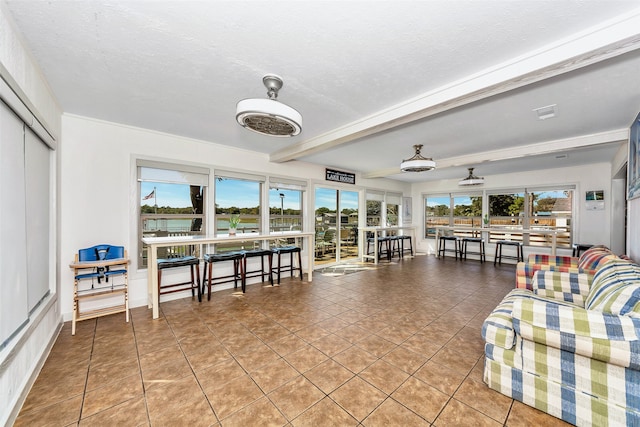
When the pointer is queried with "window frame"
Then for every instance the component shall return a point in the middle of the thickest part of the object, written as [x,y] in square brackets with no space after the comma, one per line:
[523,221]
[284,186]
[161,173]
[220,176]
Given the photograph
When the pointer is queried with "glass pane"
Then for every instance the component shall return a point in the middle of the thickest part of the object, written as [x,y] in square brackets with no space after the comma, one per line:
[326,204]
[392,215]
[374,213]
[551,210]
[235,196]
[285,210]
[437,212]
[348,224]
[467,211]
[171,210]
[506,213]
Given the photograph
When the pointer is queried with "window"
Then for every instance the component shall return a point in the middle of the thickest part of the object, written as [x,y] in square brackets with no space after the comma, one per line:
[506,215]
[285,210]
[374,208]
[509,213]
[437,211]
[393,209]
[506,210]
[237,196]
[285,204]
[467,210]
[172,203]
[551,210]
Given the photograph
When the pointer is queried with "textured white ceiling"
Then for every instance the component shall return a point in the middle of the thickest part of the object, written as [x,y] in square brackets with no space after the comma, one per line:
[181,66]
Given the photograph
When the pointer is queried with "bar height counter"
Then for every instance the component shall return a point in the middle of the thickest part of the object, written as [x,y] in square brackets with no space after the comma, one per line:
[376,231]
[488,230]
[154,243]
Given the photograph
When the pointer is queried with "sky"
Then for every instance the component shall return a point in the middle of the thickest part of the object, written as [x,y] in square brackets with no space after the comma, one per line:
[229,193]
[326,197]
[245,193]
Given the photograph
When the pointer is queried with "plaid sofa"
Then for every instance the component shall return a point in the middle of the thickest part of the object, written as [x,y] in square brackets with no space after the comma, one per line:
[588,263]
[570,346]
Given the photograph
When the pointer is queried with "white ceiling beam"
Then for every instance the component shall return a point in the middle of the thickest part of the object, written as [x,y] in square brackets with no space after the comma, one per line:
[559,145]
[596,44]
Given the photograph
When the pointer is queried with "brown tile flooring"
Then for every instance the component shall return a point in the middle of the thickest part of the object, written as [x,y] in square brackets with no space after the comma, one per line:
[396,346]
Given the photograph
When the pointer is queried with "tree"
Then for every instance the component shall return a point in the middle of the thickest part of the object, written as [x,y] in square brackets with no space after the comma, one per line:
[545,205]
[439,210]
[517,207]
[323,210]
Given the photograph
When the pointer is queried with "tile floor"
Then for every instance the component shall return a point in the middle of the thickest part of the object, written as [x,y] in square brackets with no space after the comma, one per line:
[399,345]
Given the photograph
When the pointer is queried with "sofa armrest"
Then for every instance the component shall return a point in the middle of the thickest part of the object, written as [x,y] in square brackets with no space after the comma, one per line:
[606,337]
[562,286]
[497,328]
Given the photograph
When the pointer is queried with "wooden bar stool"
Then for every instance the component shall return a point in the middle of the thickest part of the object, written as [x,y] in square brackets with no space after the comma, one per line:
[291,267]
[402,248]
[481,248]
[442,245]
[384,247]
[210,259]
[395,242]
[498,255]
[258,272]
[185,261]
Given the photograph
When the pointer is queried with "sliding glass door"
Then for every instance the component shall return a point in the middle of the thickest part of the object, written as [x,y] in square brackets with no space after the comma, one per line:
[336,225]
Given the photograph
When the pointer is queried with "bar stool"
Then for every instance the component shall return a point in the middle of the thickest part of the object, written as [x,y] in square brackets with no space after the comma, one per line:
[579,247]
[186,261]
[481,248]
[402,248]
[498,255]
[394,246]
[384,247]
[442,245]
[291,267]
[258,272]
[210,259]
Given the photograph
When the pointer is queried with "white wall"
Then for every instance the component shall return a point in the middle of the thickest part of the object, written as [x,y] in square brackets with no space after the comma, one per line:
[21,360]
[591,226]
[98,187]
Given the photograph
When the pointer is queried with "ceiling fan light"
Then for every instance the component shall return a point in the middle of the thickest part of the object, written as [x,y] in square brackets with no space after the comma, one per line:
[269,116]
[471,179]
[417,163]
